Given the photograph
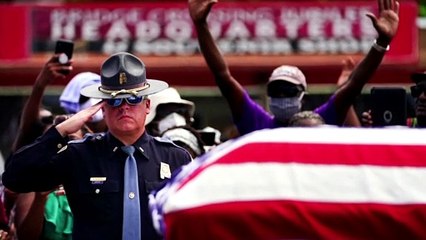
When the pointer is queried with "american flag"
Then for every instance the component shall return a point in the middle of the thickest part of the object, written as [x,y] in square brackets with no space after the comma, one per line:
[301,183]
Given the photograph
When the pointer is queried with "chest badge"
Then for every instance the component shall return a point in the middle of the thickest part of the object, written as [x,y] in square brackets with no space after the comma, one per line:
[98,180]
[165,171]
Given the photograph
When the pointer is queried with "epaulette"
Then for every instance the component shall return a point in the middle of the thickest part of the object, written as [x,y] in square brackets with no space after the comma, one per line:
[170,142]
[89,137]
[159,139]
[165,141]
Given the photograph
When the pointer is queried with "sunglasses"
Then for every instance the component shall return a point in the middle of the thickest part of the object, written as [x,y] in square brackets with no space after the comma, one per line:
[282,89]
[115,102]
[417,90]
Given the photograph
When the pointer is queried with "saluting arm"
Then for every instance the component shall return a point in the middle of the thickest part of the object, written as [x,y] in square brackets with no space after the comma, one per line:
[34,168]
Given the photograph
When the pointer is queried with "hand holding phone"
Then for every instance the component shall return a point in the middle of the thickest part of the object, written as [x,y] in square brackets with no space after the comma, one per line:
[388,106]
[65,48]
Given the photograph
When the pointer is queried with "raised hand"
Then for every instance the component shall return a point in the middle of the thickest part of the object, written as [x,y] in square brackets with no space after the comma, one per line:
[76,121]
[51,71]
[3,235]
[199,9]
[386,24]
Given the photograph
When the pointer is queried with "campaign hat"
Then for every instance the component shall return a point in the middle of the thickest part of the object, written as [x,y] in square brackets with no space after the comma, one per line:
[123,75]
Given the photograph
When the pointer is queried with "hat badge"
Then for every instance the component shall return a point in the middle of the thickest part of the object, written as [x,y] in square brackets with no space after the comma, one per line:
[122,78]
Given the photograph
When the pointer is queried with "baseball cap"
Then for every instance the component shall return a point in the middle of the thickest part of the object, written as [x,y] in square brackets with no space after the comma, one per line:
[290,74]
[70,96]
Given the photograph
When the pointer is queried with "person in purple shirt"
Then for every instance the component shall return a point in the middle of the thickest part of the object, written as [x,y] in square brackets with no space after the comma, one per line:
[287,84]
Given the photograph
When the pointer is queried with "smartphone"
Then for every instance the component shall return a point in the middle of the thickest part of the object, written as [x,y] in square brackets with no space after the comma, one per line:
[66,47]
[388,106]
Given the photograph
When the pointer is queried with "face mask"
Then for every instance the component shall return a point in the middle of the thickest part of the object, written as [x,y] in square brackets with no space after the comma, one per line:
[284,108]
[171,120]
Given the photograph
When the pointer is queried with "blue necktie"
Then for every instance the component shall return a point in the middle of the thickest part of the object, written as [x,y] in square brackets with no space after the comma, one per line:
[131,202]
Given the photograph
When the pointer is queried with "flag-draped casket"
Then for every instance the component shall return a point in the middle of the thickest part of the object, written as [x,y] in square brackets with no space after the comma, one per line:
[301,183]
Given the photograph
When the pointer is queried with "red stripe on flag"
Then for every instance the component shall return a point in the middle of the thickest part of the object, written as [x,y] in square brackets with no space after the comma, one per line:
[356,154]
[297,220]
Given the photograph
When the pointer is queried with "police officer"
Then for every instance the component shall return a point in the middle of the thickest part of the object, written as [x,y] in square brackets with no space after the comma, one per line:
[95,171]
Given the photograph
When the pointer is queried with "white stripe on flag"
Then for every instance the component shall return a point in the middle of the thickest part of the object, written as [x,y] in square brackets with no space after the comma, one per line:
[301,182]
[383,136]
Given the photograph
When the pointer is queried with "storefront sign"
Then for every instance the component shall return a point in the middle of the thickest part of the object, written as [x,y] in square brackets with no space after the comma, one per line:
[243,29]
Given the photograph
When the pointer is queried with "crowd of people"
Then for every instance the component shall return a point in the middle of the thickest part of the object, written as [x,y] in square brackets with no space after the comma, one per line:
[88,173]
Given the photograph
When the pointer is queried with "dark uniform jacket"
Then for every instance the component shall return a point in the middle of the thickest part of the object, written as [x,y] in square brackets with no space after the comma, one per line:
[92,173]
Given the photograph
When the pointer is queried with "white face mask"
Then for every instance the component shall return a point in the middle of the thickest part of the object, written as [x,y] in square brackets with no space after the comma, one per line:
[171,120]
[284,108]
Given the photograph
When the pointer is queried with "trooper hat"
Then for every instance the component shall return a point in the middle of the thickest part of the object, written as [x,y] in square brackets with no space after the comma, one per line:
[290,74]
[418,77]
[123,75]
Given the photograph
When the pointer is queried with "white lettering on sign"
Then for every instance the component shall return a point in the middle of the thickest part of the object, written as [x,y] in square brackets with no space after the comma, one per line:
[90,30]
[118,30]
[292,26]
[178,30]
[117,38]
[148,30]
[67,31]
[113,46]
[343,29]
[263,30]
[334,46]
[237,29]
[316,29]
